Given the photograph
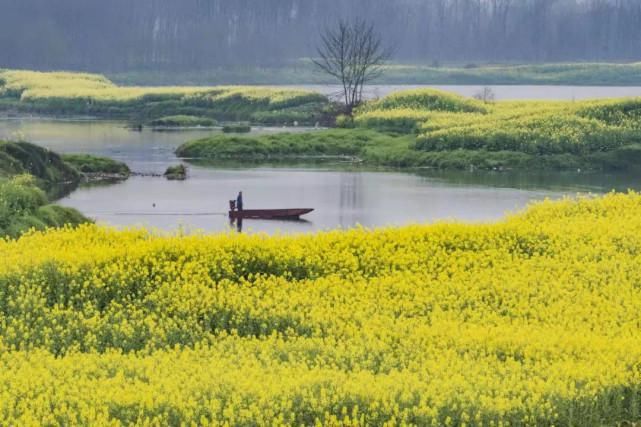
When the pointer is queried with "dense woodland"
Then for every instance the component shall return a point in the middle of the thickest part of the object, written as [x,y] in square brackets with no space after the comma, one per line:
[119,35]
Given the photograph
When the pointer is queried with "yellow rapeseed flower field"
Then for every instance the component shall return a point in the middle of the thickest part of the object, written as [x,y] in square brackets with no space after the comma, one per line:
[534,320]
[64,86]
[443,122]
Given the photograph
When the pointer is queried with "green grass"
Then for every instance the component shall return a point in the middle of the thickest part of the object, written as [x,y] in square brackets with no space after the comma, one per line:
[303,72]
[183,121]
[95,166]
[27,171]
[25,158]
[328,143]
[24,206]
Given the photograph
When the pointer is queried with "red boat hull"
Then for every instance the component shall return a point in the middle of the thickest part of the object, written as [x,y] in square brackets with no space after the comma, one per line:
[269,213]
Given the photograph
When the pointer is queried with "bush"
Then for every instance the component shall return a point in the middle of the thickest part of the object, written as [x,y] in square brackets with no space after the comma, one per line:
[23,206]
[344,121]
[176,173]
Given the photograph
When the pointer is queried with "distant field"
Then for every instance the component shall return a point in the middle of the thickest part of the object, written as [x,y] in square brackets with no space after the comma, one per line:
[62,93]
[303,72]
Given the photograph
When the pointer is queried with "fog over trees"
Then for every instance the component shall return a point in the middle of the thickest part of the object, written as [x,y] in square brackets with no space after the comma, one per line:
[118,35]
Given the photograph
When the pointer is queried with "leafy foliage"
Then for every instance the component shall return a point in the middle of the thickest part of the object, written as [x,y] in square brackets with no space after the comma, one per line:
[176,173]
[23,206]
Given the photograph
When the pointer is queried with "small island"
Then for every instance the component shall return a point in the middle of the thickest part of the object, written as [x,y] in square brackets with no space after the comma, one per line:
[182,121]
[176,173]
[96,168]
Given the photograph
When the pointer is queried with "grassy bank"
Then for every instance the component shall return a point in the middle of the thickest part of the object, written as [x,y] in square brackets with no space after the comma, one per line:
[182,121]
[303,72]
[50,168]
[94,95]
[429,128]
[24,158]
[24,206]
[329,143]
[94,168]
[529,321]
[30,175]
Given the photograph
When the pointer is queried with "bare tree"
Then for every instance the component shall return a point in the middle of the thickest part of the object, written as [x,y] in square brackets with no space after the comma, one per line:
[352,52]
[486,95]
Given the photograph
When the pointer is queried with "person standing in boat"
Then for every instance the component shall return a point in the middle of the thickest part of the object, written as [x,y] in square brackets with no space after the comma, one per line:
[239,201]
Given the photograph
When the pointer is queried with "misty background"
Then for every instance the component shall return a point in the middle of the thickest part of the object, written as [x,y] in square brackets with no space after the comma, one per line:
[120,35]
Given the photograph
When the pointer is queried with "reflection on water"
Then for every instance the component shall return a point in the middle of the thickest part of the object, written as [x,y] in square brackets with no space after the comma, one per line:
[342,195]
[596,182]
[351,200]
[236,223]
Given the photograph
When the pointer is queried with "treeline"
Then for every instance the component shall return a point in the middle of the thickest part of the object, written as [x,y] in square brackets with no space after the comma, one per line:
[119,35]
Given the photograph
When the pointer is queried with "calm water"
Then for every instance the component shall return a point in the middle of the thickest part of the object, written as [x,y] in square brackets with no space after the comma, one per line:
[342,197]
[500,92]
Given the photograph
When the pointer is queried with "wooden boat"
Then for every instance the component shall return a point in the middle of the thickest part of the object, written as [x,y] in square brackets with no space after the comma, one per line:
[269,213]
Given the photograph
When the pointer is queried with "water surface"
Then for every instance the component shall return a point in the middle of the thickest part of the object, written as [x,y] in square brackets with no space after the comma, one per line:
[343,196]
[501,92]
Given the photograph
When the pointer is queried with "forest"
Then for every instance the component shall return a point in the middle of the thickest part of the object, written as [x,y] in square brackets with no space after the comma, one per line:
[122,35]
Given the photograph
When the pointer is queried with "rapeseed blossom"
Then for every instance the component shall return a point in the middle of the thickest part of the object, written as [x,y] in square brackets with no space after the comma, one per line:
[533,320]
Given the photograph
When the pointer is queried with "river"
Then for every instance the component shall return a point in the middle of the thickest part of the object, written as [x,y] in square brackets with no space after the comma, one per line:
[500,92]
[343,196]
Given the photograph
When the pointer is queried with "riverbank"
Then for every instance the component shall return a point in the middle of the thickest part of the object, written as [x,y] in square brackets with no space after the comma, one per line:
[31,176]
[304,72]
[76,94]
[428,128]
[96,168]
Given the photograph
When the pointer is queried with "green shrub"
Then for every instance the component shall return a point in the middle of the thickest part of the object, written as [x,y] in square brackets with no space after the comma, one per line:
[19,197]
[176,173]
[24,206]
[344,121]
